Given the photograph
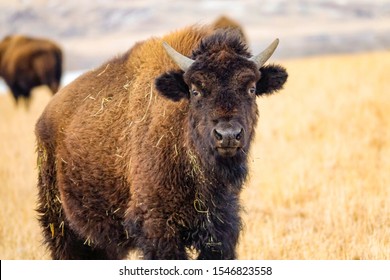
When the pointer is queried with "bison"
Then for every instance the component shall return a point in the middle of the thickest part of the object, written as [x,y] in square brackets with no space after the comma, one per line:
[150,151]
[27,62]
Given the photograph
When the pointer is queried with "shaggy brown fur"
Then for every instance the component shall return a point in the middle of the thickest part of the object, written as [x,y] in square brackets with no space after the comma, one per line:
[127,156]
[27,62]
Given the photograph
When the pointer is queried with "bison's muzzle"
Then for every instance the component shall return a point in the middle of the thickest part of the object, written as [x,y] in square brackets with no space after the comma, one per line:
[228,138]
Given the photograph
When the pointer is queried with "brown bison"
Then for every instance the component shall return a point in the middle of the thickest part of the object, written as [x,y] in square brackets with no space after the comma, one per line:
[27,62]
[150,151]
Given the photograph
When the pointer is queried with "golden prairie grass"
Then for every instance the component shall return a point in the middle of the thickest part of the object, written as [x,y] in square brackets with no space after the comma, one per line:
[319,186]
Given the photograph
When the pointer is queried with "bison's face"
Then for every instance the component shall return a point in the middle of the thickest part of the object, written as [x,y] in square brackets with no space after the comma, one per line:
[222,105]
[221,88]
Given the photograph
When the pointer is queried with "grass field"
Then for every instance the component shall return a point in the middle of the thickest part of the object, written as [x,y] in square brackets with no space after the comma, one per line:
[320,166]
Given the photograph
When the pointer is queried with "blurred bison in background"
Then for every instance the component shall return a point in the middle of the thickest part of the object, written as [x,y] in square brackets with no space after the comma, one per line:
[27,62]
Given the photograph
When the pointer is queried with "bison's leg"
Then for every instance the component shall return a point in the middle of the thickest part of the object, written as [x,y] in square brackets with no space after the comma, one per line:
[156,237]
[62,241]
[67,245]
[223,247]
[20,93]
[49,204]
[222,238]
[224,250]
[217,252]
[162,249]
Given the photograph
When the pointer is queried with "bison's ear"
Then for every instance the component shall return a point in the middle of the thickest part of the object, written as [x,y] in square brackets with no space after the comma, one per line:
[272,79]
[171,85]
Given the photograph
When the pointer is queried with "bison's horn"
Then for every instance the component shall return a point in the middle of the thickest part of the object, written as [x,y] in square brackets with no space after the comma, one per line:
[262,58]
[182,61]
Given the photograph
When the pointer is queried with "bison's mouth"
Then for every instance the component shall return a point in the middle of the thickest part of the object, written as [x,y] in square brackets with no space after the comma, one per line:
[228,138]
[227,151]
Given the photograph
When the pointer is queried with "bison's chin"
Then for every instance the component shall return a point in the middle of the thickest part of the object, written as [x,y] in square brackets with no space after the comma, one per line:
[227,151]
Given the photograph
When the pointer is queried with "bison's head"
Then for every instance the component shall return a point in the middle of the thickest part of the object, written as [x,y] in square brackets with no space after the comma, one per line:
[221,82]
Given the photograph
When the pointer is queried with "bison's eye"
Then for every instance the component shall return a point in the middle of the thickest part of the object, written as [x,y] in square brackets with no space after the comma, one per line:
[252,90]
[195,92]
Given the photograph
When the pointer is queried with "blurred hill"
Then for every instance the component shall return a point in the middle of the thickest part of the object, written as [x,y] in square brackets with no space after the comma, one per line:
[93,31]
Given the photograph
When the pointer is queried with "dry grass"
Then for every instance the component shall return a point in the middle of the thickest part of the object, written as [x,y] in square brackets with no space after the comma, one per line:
[320,176]
[20,236]
[320,186]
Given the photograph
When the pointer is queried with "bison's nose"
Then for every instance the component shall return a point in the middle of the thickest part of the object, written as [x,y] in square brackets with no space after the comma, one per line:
[228,139]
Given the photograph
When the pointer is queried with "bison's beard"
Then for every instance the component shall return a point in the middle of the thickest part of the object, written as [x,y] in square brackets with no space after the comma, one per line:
[229,169]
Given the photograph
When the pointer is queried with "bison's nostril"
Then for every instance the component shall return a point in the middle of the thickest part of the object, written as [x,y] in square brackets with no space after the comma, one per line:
[239,135]
[217,135]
